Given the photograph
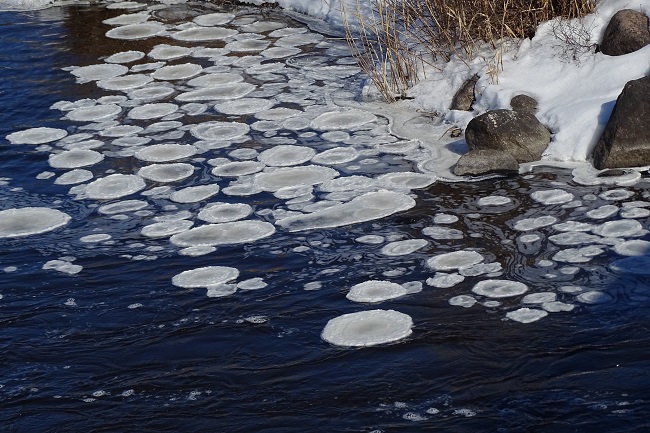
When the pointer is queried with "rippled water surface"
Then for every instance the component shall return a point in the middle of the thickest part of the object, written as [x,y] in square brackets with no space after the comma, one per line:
[538,321]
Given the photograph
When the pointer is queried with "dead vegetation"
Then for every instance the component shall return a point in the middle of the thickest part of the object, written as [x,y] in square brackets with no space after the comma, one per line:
[392,39]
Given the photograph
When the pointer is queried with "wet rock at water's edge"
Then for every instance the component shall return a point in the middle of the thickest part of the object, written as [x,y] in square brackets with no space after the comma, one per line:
[523,103]
[482,161]
[516,132]
[464,97]
[626,139]
[626,32]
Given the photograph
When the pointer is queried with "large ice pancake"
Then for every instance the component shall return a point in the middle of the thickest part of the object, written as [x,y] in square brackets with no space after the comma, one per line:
[368,207]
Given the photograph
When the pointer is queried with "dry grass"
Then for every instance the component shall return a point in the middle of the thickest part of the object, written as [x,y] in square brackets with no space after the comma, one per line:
[393,40]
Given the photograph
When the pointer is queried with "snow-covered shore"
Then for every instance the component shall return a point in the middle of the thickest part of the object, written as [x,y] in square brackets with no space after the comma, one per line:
[575,93]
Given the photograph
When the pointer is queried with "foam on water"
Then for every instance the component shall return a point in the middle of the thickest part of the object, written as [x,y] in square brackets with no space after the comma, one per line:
[367,328]
[374,291]
[29,221]
[229,233]
[367,207]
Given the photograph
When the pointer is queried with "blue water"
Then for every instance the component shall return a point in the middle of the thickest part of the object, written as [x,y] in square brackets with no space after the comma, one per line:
[118,348]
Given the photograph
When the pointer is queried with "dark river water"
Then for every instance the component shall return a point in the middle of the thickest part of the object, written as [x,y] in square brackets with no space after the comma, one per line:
[95,337]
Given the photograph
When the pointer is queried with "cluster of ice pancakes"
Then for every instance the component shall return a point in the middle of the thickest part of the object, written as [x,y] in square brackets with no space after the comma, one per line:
[225,108]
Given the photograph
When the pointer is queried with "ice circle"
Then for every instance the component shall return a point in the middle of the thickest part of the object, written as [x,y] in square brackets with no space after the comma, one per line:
[464,301]
[286,155]
[94,113]
[114,186]
[39,135]
[499,288]
[293,176]
[527,224]
[526,315]
[214,19]
[217,79]
[219,131]
[152,111]
[28,221]
[552,196]
[454,260]
[406,180]
[620,228]
[136,31]
[124,57]
[203,34]
[194,194]
[224,212]
[242,106]
[342,120]
[337,155]
[402,248]
[205,276]
[127,82]
[375,291]
[101,71]
[165,152]
[165,229]
[167,172]
[367,328]
[367,207]
[229,233]
[634,247]
[494,200]
[238,168]
[75,158]
[169,52]
[177,72]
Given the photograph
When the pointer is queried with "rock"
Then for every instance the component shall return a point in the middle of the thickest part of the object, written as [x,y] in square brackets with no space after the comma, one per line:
[625,142]
[484,161]
[464,98]
[626,32]
[523,103]
[516,132]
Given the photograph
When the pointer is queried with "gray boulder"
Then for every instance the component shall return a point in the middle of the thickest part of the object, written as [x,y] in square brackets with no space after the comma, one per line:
[523,103]
[464,98]
[626,32]
[484,161]
[625,142]
[517,132]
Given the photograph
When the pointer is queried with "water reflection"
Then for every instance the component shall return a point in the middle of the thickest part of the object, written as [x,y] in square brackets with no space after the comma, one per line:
[118,345]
